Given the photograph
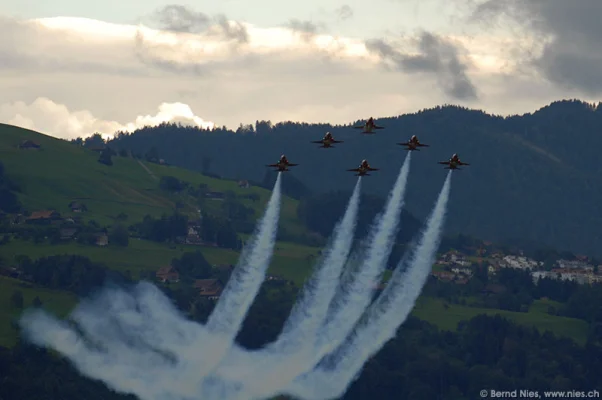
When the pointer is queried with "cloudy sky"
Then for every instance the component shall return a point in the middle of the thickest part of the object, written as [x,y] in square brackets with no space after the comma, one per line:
[70,68]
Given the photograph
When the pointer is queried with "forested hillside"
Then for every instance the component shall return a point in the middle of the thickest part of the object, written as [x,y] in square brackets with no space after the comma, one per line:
[533,177]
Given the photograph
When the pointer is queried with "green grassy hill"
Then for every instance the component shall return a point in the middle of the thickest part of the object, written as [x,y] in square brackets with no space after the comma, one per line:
[60,172]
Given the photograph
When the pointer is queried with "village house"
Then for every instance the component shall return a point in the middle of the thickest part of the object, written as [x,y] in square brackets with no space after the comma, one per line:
[68,233]
[77,207]
[580,276]
[463,271]
[11,272]
[102,239]
[168,274]
[45,216]
[193,234]
[29,144]
[194,227]
[209,288]
[244,184]
[16,219]
[519,262]
[576,264]
[537,275]
[455,258]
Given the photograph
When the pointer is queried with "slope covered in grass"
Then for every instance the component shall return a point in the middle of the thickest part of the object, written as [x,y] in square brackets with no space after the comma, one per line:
[60,172]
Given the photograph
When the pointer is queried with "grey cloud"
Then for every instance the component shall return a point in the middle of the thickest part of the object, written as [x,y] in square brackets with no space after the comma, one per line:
[570,32]
[237,32]
[344,12]
[437,56]
[306,29]
[180,18]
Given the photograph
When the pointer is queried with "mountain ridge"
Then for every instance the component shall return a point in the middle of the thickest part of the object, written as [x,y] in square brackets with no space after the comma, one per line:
[524,168]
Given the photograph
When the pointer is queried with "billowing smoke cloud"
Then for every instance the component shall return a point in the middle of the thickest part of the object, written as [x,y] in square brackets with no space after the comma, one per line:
[54,119]
[137,342]
[437,56]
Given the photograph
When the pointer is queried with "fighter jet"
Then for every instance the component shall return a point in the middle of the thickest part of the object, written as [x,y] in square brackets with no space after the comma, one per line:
[413,144]
[453,163]
[363,169]
[282,164]
[327,141]
[369,127]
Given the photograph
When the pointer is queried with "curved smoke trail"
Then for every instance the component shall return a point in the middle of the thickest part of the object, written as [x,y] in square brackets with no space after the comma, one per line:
[140,344]
[355,295]
[270,369]
[383,318]
[243,285]
[137,342]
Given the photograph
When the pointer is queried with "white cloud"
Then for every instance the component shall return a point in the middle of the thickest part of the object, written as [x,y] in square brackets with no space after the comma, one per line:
[111,72]
[57,120]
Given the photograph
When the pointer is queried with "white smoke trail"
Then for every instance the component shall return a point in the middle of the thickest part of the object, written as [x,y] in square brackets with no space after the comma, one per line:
[116,358]
[383,318]
[269,370]
[355,295]
[137,342]
[242,287]
[136,331]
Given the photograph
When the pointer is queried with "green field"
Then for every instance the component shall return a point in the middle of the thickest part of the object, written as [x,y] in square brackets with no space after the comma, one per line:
[290,260]
[434,311]
[57,302]
[60,172]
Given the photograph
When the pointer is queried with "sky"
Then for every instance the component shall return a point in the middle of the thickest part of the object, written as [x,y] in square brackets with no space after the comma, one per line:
[72,68]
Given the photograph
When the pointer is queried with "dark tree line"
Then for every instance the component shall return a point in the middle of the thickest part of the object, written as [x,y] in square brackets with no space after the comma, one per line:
[485,353]
[30,373]
[9,202]
[77,274]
